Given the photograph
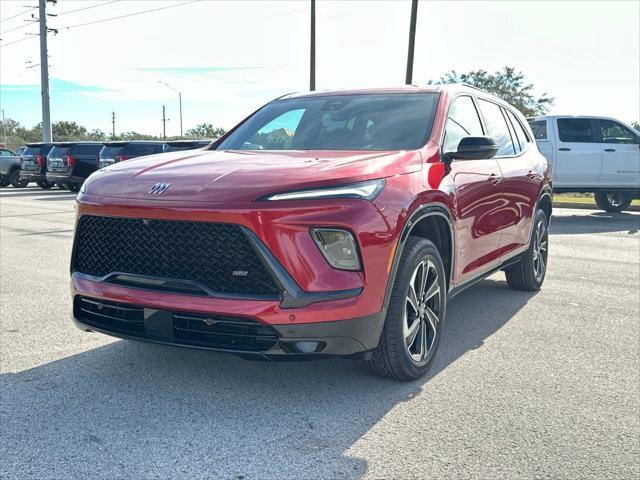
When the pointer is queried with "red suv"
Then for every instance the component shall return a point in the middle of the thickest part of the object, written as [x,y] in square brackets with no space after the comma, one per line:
[325,224]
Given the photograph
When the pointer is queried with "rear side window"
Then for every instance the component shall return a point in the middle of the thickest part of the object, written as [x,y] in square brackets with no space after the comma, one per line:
[86,149]
[6,153]
[613,132]
[579,130]
[462,121]
[539,129]
[138,150]
[521,135]
[497,127]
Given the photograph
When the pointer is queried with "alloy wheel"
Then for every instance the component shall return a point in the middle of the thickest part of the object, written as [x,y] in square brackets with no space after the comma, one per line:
[540,250]
[422,311]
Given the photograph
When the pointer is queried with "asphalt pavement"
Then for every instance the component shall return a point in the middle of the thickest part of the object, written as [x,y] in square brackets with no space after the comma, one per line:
[543,385]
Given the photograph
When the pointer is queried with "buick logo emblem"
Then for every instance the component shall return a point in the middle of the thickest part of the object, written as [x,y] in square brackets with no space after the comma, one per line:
[159,188]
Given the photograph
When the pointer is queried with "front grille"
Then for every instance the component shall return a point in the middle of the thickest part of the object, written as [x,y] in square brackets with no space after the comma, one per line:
[189,329]
[217,255]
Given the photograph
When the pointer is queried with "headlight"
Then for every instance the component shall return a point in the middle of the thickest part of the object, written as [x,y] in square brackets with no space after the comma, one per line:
[365,190]
[338,247]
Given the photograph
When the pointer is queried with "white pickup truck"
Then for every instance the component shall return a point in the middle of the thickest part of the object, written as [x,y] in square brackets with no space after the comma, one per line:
[591,154]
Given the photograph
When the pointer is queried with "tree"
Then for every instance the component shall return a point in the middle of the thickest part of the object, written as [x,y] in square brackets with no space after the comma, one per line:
[68,131]
[205,130]
[636,125]
[508,84]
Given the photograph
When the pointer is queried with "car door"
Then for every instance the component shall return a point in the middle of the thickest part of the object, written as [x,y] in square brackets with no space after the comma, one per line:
[620,154]
[578,154]
[475,195]
[519,187]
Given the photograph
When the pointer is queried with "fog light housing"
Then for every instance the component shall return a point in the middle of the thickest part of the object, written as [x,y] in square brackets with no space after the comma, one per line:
[338,247]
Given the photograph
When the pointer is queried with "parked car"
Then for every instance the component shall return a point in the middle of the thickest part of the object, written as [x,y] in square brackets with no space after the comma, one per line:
[179,145]
[596,155]
[114,152]
[346,234]
[33,164]
[10,169]
[70,163]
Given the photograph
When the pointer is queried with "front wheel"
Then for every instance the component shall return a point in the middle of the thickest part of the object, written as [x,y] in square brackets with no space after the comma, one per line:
[4,180]
[529,273]
[73,187]
[613,201]
[415,314]
[16,181]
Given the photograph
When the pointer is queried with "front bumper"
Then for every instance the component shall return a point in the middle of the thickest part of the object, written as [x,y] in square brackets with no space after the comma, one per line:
[354,337]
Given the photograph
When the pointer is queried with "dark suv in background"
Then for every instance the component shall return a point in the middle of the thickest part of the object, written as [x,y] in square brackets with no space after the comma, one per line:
[33,164]
[114,152]
[69,164]
[179,145]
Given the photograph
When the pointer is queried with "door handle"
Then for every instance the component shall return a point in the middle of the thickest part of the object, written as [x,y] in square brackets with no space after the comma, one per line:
[564,149]
[609,149]
[495,178]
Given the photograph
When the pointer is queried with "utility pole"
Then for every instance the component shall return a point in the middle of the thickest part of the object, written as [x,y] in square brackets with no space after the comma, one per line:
[412,41]
[312,62]
[179,101]
[44,73]
[4,128]
[113,125]
[164,125]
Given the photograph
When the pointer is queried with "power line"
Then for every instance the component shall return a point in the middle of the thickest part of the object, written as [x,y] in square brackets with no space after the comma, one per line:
[129,15]
[86,8]
[17,15]
[31,22]
[17,41]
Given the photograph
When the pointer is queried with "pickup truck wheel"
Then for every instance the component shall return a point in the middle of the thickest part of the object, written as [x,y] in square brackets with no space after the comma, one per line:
[16,181]
[44,184]
[415,315]
[529,273]
[613,201]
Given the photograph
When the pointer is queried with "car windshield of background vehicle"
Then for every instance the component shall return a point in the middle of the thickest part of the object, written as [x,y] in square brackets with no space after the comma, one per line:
[30,151]
[110,152]
[578,130]
[497,127]
[613,132]
[339,122]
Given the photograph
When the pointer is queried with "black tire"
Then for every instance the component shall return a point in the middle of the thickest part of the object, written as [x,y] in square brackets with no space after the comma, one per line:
[44,184]
[529,273]
[4,180]
[73,187]
[393,358]
[613,201]
[61,186]
[16,181]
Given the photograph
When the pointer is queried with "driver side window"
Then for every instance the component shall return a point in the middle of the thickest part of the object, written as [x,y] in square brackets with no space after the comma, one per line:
[462,121]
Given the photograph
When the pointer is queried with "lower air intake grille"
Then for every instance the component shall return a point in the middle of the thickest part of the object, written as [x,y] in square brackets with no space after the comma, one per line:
[217,255]
[189,329]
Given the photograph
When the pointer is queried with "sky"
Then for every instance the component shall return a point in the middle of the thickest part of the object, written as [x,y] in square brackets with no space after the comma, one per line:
[230,57]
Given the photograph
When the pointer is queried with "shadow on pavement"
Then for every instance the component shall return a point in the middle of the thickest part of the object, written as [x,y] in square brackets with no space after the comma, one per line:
[596,222]
[139,411]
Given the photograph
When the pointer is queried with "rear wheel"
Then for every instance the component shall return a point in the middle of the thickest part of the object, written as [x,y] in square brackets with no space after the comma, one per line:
[44,184]
[613,201]
[415,315]
[4,180]
[529,273]
[73,187]
[16,181]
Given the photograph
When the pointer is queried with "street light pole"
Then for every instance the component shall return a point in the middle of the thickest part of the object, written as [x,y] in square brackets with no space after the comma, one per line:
[179,100]
[44,72]
[412,41]
[312,53]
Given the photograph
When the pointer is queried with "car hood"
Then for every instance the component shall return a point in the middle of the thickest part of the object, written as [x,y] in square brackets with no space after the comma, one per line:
[241,176]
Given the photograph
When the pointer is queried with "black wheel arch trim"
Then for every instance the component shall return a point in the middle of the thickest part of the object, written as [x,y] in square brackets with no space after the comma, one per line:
[420,213]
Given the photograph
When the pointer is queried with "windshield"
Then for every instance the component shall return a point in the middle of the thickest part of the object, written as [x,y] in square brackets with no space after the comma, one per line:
[30,151]
[339,122]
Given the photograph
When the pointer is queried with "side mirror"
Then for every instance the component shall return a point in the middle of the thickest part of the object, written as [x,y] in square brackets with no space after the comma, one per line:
[474,148]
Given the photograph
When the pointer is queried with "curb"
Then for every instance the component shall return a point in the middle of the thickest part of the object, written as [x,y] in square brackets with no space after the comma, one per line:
[589,206]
